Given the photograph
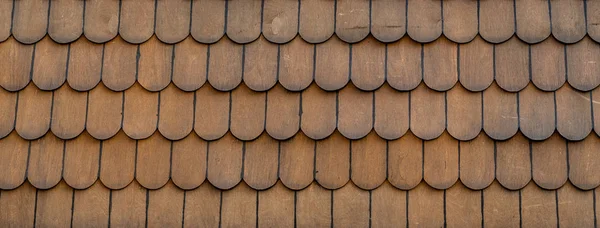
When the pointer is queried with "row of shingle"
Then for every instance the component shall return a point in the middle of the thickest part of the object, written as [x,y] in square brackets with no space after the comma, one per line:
[315,20]
[297,162]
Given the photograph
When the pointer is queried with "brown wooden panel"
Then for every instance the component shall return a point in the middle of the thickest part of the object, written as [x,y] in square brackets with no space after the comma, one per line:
[500,113]
[353,20]
[425,207]
[596,109]
[332,161]
[30,20]
[225,65]
[513,162]
[261,162]
[296,64]
[440,69]
[212,113]
[154,64]
[313,207]
[101,20]
[351,207]
[33,112]
[49,64]
[317,20]
[14,151]
[427,112]
[91,206]
[548,65]
[536,113]
[512,65]
[500,207]
[53,206]
[8,103]
[424,20]
[82,161]
[260,64]
[85,64]
[575,207]
[593,20]
[243,20]
[173,20]
[332,71]
[189,65]
[104,114]
[202,206]
[460,20]
[140,112]
[355,112]
[65,23]
[165,206]
[568,21]
[68,112]
[276,207]
[117,164]
[388,20]
[369,156]
[17,207]
[463,206]
[538,207]
[584,162]
[405,162]
[391,112]
[16,64]
[296,163]
[119,68]
[581,64]
[477,162]
[476,64]
[496,20]
[176,117]
[464,115]
[283,113]
[188,165]
[368,64]
[404,62]
[225,162]
[239,207]
[248,110]
[208,20]
[573,113]
[128,208]
[549,162]
[388,206]
[280,20]
[137,20]
[440,162]
[45,166]
[319,112]
[5,19]
[153,161]
[533,20]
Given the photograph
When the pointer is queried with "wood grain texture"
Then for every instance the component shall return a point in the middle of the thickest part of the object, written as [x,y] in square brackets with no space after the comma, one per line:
[49,64]
[404,64]
[355,112]
[593,20]
[85,64]
[202,206]
[244,20]
[476,64]
[313,207]
[188,165]
[353,20]
[464,113]
[101,20]
[248,110]
[368,156]
[17,64]
[140,112]
[69,111]
[128,207]
[119,68]
[596,109]
[548,65]
[405,162]
[575,207]
[65,23]
[332,161]
[153,161]
[388,20]
[13,157]
[33,112]
[496,20]
[225,158]
[317,20]
[6,19]
[477,162]
[440,69]
[44,170]
[53,206]
[582,59]
[189,64]
[261,162]
[165,206]
[512,65]
[283,113]
[173,20]
[427,112]
[513,162]
[91,206]
[137,20]
[440,162]
[319,115]
[208,20]
[225,65]
[584,163]
[500,113]
[260,64]
[176,117]
[549,162]
[296,164]
[391,113]
[424,20]
[155,62]
[536,113]
[104,115]
[463,206]
[500,207]
[212,113]
[30,20]
[280,20]
[388,206]
[117,162]
[368,64]
[276,207]
[460,20]
[239,207]
[351,206]
[538,207]
[573,113]
[425,207]
[332,67]
[533,20]
[17,207]
[8,103]
[568,20]
[82,162]
[296,64]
